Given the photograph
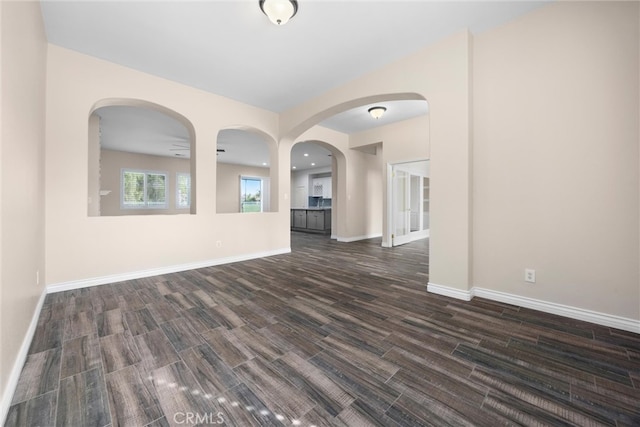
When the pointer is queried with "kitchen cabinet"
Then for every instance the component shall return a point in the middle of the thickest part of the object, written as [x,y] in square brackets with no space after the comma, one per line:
[326,188]
[315,220]
[317,188]
[312,220]
[321,187]
[299,218]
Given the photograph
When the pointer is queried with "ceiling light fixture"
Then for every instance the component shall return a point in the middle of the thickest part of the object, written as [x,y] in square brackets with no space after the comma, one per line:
[279,11]
[377,112]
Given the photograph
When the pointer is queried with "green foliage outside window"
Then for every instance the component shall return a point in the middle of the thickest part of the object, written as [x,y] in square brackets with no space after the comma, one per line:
[184,190]
[144,189]
[134,188]
[250,195]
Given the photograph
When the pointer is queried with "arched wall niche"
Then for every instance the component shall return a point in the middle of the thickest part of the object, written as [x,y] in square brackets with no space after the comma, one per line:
[226,201]
[183,201]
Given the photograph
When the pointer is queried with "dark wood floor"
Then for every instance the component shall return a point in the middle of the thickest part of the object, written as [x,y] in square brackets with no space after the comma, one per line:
[333,334]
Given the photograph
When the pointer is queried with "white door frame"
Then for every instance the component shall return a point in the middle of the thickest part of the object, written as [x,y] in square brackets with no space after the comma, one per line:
[412,236]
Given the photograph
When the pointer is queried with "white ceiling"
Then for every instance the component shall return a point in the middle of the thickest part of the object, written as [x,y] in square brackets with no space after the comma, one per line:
[230,48]
[142,130]
[359,119]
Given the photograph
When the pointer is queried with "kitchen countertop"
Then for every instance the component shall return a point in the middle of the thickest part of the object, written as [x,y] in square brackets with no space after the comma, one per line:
[312,209]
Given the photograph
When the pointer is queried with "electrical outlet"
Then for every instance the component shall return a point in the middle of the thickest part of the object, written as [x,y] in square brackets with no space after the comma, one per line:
[218,243]
[37,277]
[529,275]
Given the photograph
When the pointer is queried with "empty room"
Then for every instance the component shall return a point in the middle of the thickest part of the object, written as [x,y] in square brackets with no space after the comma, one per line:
[319,213]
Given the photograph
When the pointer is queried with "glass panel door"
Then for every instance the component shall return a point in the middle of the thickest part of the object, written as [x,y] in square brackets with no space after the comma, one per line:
[401,207]
[409,202]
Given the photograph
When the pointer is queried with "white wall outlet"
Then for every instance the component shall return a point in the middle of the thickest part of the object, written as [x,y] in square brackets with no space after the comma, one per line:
[37,277]
[529,275]
[218,243]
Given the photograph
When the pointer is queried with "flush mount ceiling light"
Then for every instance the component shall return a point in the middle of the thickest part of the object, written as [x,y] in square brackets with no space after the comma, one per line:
[377,112]
[279,11]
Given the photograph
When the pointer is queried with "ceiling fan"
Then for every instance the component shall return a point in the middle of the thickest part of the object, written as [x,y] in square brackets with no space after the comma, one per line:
[180,148]
[187,148]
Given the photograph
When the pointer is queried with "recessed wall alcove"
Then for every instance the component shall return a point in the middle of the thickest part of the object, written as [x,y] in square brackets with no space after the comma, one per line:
[245,169]
[141,160]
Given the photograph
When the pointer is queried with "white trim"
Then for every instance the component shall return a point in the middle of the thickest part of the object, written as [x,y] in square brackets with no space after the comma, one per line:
[604,319]
[389,206]
[598,318]
[448,291]
[356,238]
[103,280]
[21,358]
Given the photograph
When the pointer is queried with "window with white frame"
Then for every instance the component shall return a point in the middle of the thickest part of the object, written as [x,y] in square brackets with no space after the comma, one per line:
[254,194]
[183,190]
[143,189]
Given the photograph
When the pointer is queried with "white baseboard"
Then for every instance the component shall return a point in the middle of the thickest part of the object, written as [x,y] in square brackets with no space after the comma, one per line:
[448,291]
[103,280]
[21,358]
[596,317]
[356,238]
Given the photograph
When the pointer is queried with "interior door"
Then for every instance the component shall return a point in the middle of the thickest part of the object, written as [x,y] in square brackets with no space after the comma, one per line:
[409,200]
[401,207]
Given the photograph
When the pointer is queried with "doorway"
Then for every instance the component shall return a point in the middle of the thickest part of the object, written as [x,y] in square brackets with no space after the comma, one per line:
[408,201]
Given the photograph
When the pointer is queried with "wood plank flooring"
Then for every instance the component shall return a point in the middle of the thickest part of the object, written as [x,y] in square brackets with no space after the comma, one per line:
[333,334]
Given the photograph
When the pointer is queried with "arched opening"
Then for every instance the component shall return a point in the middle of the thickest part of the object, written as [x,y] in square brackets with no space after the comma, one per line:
[315,178]
[141,160]
[245,164]
[402,135]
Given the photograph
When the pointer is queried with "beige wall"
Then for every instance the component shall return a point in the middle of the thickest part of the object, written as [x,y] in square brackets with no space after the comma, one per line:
[441,75]
[350,188]
[404,141]
[228,185]
[22,136]
[111,165]
[75,82]
[556,156]
[551,165]
[93,191]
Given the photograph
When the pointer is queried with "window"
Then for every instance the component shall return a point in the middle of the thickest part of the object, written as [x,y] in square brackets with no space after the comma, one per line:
[183,190]
[143,189]
[250,194]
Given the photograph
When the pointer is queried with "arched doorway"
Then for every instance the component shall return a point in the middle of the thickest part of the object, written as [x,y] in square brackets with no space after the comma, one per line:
[399,136]
[315,179]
